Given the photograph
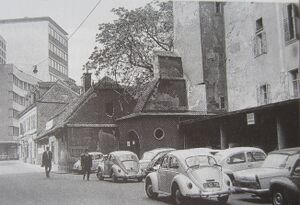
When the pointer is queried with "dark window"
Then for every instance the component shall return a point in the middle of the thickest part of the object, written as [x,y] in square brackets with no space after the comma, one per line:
[259,24]
[222,102]
[295,82]
[236,159]
[264,94]
[109,108]
[218,7]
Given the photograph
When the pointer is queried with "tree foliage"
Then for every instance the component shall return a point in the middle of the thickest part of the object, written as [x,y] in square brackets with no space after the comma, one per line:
[125,47]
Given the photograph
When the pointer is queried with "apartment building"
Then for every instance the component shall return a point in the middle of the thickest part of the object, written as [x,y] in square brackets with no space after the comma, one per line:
[14,86]
[37,46]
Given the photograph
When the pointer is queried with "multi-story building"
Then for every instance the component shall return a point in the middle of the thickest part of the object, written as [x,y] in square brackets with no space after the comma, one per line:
[2,50]
[38,46]
[14,86]
[261,67]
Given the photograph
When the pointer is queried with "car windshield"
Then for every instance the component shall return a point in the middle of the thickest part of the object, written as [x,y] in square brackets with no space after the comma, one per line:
[200,160]
[128,157]
[275,161]
[148,156]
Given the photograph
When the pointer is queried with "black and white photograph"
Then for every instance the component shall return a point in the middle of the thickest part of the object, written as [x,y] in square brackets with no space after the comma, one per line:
[149,102]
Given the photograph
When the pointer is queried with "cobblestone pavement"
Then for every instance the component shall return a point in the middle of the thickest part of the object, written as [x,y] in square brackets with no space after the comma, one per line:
[22,183]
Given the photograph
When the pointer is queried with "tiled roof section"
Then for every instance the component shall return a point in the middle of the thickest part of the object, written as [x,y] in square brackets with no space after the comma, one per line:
[62,116]
[145,92]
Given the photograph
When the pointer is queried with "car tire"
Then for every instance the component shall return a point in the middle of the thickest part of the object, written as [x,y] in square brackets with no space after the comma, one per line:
[99,174]
[178,198]
[278,197]
[149,190]
[223,199]
[114,178]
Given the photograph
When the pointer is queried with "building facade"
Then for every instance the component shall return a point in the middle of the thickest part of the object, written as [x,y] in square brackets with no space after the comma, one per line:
[14,86]
[38,46]
[2,50]
[202,49]
[262,74]
[262,50]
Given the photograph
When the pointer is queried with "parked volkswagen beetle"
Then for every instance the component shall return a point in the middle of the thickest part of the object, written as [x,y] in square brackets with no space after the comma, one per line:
[189,174]
[120,165]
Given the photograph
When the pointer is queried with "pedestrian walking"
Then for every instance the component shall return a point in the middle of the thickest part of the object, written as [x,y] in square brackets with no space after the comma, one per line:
[47,161]
[86,164]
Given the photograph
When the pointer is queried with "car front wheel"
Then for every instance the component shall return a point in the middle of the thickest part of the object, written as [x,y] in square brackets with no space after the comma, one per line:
[223,199]
[178,198]
[149,190]
[278,197]
[99,174]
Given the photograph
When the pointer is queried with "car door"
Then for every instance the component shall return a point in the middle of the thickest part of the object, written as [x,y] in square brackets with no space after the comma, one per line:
[162,175]
[295,176]
[236,162]
[172,171]
[108,164]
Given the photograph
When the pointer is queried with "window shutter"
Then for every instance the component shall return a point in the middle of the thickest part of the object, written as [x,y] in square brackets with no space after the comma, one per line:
[255,46]
[258,94]
[269,100]
[286,23]
[264,42]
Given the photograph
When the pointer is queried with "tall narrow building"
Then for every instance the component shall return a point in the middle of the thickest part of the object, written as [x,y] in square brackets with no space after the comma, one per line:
[37,46]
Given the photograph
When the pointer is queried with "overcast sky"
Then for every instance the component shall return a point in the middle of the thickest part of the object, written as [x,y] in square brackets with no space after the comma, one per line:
[69,14]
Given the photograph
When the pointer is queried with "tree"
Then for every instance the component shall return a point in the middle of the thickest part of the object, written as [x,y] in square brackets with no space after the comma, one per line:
[125,47]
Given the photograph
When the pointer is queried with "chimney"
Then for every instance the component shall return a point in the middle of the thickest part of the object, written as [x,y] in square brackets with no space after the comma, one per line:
[167,65]
[86,81]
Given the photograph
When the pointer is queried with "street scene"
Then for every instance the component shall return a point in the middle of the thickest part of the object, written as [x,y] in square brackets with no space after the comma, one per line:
[71,189]
[149,102]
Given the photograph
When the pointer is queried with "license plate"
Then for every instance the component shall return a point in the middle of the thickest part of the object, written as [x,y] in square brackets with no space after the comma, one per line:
[211,185]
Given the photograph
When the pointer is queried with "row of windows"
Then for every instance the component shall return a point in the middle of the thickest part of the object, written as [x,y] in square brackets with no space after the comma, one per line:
[17,98]
[2,60]
[13,113]
[2,45]
[58,51]
[57,66]
[21,84]
[58,37]
[13,131]
[28,124]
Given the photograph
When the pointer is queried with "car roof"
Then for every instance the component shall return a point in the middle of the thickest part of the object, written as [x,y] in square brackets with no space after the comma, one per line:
[233,150]
[118,153]
[157,150]
[95,153]
[288,151]
[185,153]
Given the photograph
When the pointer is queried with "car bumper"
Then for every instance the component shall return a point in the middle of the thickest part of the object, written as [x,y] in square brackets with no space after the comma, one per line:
[138,176]
[209,194]
[251,190]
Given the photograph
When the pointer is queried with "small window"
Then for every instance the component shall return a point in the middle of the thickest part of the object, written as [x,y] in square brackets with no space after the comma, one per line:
[173,163]
[159,133]
[250,158]
[218,7]
[109,109]
[291,22]
[258,156]
[236,159]
[259,24]
[222,102]
[264,94]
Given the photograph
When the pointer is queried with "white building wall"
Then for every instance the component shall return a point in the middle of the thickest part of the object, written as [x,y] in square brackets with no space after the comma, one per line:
[245,72]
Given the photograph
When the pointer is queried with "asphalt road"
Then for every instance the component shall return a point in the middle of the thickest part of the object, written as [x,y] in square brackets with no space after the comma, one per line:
[22,183]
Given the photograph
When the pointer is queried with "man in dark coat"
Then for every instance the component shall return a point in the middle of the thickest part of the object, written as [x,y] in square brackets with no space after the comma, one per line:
[47,161]
[86,164]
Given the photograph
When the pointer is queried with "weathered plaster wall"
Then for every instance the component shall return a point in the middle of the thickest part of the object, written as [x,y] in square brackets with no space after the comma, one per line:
[246,72]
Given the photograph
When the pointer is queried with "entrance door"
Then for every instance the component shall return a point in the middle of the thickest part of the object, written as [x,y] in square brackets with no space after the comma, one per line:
[133,142]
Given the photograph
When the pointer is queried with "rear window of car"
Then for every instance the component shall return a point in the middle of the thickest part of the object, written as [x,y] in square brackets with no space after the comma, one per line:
[127,157]
[236,158]
[258,156]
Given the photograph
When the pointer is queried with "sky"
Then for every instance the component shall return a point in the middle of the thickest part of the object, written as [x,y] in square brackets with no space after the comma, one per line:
[69,14]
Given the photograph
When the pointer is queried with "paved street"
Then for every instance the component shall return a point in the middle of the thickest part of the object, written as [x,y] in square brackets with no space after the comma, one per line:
[26,184]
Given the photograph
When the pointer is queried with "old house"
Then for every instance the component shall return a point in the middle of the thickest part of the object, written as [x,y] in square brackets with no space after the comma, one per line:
[87,122]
